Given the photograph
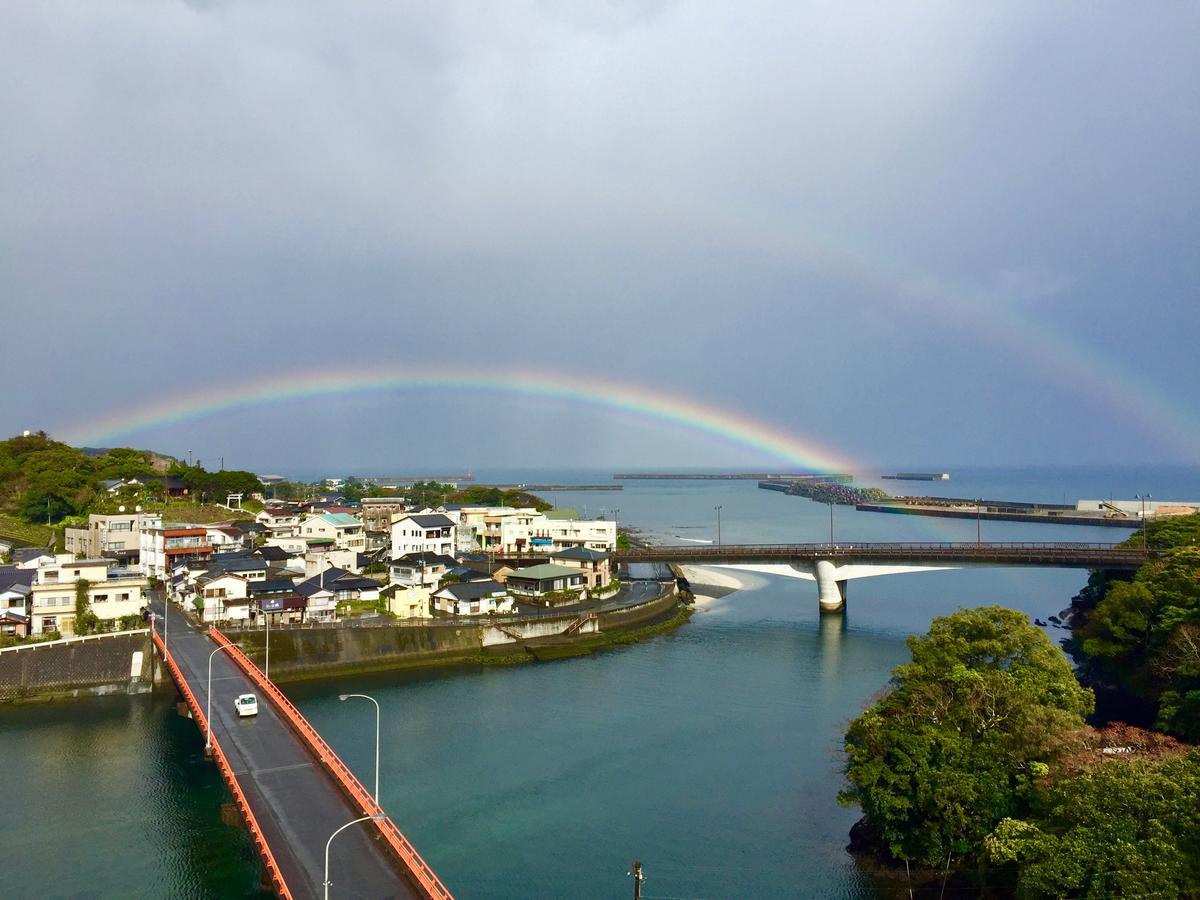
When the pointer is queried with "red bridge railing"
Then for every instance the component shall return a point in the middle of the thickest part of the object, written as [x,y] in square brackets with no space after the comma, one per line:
[419,871]
[239,798]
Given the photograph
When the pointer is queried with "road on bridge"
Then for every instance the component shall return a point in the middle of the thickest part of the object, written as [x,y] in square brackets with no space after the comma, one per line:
[297,803]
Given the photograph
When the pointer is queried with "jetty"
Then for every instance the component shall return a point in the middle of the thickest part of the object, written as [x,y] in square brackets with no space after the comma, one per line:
[917,476]
[732,476]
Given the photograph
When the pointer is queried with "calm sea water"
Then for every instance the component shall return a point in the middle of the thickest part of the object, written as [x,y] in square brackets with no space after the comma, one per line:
[710,754]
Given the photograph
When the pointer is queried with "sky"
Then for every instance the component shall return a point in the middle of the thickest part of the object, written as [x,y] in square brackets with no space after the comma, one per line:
[912,233]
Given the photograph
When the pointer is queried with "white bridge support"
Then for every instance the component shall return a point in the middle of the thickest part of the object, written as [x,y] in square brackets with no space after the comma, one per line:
[831,591]
[831,577]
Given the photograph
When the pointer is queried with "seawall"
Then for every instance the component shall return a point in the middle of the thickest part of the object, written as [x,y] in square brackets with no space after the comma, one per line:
[309,653]
[80,667]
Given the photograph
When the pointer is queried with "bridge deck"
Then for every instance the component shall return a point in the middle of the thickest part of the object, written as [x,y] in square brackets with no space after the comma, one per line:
[296,802]
[1058,555]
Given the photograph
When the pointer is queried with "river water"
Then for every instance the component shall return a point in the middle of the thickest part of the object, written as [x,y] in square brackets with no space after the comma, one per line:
[710,753]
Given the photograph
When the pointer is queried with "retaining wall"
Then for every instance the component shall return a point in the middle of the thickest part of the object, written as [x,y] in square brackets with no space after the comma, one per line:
[102,664]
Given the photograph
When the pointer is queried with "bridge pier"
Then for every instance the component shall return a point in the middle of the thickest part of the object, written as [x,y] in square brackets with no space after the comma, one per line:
[831,592]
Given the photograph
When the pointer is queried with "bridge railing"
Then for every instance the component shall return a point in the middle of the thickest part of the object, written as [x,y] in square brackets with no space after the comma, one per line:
[239,798]
[420,871]
[898,549]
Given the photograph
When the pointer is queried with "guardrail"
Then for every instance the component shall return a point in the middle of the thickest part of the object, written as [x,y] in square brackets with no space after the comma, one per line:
[256,833]
[1082,552]
[419,871]
[73,640]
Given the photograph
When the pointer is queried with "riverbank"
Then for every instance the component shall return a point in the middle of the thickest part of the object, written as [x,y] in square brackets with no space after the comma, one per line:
[310,654]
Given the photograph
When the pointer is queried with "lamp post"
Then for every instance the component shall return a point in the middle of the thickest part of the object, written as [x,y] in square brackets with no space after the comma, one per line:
[978,518]
[208,700]
[327,882]
[831,523]
[376,702]
[718,509]
[1144,498]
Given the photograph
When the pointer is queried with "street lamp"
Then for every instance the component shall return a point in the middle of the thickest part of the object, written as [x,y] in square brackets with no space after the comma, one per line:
[1144,498]
[718,509]
[376,702]
[208,699]
[978,517]
[831,523]
[374,818]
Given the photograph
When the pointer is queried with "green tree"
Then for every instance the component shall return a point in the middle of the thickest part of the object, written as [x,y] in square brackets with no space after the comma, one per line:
[86,621]
[1123,829]
[955,744]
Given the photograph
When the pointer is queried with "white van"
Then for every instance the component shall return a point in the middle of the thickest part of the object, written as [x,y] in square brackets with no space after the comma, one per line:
[246,705]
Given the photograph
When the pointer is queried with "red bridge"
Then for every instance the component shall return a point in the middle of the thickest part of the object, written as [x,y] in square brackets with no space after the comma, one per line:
[292,790]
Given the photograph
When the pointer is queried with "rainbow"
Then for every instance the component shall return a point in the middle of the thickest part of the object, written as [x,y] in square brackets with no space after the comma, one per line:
[652,405]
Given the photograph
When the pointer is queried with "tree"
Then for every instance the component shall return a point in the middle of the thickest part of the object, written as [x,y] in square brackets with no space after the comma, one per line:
[1145,635]
[1123,829]
[955,744]
[86,621]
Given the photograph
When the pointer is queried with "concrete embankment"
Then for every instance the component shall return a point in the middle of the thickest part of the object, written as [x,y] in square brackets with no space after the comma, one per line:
[77,667]
[305,653]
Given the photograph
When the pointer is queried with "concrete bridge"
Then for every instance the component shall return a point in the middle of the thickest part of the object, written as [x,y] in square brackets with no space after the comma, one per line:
[291,790]
[832,565]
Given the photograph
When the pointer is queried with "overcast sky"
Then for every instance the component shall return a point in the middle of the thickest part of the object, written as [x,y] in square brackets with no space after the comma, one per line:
[927,232]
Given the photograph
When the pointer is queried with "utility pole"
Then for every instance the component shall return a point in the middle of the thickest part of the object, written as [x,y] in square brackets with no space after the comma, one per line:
[638,878]
[831,523]
[718,509]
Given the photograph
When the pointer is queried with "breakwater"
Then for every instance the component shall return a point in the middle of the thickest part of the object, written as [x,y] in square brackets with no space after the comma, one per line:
[824,491]
[1042,515]
[728,476]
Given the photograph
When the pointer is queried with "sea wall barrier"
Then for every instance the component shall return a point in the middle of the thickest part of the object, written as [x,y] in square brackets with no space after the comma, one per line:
[121,662]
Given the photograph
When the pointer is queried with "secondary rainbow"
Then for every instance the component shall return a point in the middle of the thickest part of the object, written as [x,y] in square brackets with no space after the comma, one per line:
[646,403]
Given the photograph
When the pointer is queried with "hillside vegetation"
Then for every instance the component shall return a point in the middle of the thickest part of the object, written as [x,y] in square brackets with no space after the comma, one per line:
[43,482]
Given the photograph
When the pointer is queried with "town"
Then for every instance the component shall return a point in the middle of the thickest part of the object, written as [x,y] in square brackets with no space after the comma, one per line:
[323,559]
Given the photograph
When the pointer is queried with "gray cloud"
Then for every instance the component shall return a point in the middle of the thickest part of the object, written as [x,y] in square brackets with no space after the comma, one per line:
[826,215]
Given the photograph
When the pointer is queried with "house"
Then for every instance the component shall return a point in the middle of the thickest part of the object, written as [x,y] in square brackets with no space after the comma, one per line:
[15,588]
[413,569]
[595,564]
[116,537]
[225,596]
[405,601]
[30,557]
[321,557]
[280,609]
[324,592]
[14,623]
[548,583]
[432,533]
[163,547]
[112,593]
[280,521]
[472,598]
[342,529]
[225,537]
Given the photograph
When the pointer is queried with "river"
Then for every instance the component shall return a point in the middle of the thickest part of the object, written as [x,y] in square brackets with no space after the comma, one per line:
[709,753]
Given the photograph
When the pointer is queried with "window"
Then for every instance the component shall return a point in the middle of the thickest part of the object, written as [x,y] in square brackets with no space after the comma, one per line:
[124,597]
[100,598]
[49,623]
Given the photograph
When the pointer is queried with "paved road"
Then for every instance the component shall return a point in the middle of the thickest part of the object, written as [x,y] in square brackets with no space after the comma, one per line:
[297,804]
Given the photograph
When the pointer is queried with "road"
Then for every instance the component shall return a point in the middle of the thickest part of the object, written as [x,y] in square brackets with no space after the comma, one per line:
[297,804]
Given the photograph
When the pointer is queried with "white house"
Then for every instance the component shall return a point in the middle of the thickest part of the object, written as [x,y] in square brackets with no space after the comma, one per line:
[225,596]
[280,521]
[344,530]
[472,598]
[112,593]
[432,533]
[414,569]
[541,533]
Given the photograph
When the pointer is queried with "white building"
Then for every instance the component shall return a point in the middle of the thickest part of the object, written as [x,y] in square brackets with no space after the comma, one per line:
[112,593]
[344,530]
[432,533]
[225,596]
[280,521]
[540,533]
[472,598]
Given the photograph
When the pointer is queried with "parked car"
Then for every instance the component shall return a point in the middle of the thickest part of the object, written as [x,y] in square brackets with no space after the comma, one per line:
[246,705]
